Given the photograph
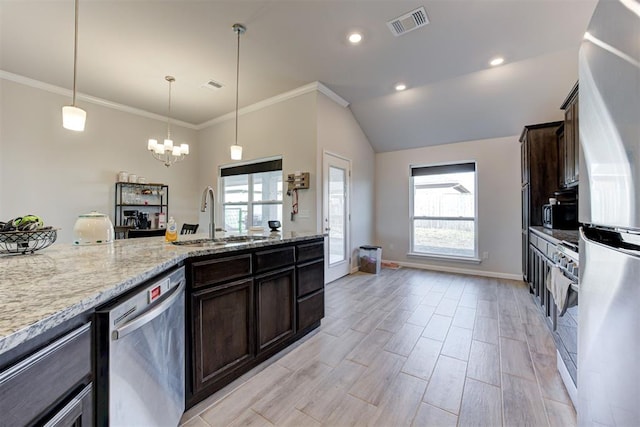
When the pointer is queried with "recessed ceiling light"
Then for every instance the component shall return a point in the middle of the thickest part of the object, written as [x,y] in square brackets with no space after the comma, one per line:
[355,38]
[496,61]
[401,87]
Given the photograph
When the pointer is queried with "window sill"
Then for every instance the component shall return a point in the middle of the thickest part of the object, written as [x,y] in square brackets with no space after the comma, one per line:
[454,258]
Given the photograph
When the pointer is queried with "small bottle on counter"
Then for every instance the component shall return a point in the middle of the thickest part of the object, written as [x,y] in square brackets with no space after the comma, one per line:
[171,235]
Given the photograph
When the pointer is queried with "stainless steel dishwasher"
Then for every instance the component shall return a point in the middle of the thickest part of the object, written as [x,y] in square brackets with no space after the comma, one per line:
[140,342]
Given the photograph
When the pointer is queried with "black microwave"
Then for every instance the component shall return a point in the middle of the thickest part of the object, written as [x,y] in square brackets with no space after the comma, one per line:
[564,216]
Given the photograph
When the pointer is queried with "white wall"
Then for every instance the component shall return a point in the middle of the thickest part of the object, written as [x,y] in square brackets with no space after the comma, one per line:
[498,169]
[339,133]
[58,174]
[288,129]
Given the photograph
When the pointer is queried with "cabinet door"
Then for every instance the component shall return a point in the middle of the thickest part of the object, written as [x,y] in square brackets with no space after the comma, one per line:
[562,155]
[275,299]
[77,413]
[570,137]
[310,309]
[31,387]
[310,277]
[222,331]
[524,162]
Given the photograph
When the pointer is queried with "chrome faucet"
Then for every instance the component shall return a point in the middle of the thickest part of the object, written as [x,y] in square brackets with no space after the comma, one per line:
[212,210]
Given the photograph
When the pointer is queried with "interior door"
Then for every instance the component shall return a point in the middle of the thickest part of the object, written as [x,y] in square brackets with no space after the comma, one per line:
[336,218]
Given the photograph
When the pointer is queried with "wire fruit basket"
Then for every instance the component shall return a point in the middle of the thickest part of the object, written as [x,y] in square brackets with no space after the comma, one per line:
[22,242]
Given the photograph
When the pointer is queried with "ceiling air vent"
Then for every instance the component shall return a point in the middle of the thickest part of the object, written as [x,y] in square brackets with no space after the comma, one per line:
[408,22]
[213,85]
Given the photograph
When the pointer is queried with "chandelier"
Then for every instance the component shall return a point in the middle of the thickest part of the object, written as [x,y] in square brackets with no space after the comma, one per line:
[167,152]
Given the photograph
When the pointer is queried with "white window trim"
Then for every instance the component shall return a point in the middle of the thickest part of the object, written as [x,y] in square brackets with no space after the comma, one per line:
[470,259]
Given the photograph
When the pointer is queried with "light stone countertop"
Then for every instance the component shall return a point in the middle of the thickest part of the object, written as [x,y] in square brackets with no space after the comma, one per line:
[42,290]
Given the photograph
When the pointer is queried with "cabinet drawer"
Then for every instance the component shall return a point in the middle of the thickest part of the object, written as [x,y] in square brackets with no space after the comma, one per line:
[310,251]
[32,387]
[310,309]
[274,258]
[310,277]
[220,270]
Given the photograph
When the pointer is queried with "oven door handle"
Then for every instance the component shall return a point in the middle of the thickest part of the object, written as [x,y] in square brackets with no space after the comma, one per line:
[147,317]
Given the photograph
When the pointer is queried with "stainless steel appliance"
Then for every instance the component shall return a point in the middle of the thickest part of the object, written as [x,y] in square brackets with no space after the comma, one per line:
[140,378]
[563,217]
[609,208]
[565,326]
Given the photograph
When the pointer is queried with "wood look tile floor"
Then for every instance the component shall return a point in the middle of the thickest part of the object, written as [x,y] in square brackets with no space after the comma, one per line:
[407,348]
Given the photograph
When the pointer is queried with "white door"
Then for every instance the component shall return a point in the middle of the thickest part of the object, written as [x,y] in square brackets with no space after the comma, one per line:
[335,206]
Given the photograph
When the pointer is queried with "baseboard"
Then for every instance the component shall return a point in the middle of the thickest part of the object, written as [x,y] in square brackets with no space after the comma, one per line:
[447,269]
[354,270]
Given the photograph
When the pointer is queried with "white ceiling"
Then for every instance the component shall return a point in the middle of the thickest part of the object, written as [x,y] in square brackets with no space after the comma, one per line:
[127,47]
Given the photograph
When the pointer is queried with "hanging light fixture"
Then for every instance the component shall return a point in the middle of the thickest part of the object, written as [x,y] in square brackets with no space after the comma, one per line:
[167,152]
[235,149]
[73,118]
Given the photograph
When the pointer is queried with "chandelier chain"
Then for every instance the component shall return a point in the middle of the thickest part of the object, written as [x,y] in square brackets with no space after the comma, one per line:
[170,80]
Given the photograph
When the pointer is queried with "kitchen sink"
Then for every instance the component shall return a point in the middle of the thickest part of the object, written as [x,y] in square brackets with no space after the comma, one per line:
[205,243]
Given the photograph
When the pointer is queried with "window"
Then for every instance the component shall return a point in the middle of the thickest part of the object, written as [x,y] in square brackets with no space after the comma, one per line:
[251,195]
[443,217]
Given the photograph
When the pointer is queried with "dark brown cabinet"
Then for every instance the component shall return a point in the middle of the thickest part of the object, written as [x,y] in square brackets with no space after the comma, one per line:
[275,305]
[310,284]
[51,386]
[245,306]
[539,162]
[223,324]
[570,141]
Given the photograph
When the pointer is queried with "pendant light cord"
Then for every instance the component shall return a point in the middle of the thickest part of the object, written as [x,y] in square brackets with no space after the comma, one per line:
[75,52]
[170,80]
[238,30]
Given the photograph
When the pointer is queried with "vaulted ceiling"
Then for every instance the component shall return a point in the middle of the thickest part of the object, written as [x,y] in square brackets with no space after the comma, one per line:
[126,47]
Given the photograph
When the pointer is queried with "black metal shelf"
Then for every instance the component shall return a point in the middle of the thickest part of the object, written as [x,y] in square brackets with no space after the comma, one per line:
[121,194]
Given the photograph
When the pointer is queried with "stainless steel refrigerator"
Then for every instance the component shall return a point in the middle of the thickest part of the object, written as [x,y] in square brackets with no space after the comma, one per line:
[609,209]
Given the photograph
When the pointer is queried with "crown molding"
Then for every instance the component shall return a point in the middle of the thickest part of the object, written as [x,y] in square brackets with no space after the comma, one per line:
[26,81]
[308,88]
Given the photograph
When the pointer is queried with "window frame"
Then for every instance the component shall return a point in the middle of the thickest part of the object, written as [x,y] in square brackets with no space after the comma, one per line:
[413,218]
[250,203]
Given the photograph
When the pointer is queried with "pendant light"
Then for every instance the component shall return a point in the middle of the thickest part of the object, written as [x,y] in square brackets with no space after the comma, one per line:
[166,152]
[73,118]
[235,149]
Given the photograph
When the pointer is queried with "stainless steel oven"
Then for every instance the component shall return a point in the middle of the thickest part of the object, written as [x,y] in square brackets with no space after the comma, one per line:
[565,327]
[140,375]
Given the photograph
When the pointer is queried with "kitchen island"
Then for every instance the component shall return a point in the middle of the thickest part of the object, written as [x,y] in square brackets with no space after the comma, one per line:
[245,299]
[44,290]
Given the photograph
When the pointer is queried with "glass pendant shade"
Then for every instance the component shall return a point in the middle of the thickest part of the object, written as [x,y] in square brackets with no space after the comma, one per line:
[236,152]
[73,118]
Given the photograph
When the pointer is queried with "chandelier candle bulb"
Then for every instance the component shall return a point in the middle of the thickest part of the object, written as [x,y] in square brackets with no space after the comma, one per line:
[184,148]
[151,145]
[176,151]
[168,145]
[159,149]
